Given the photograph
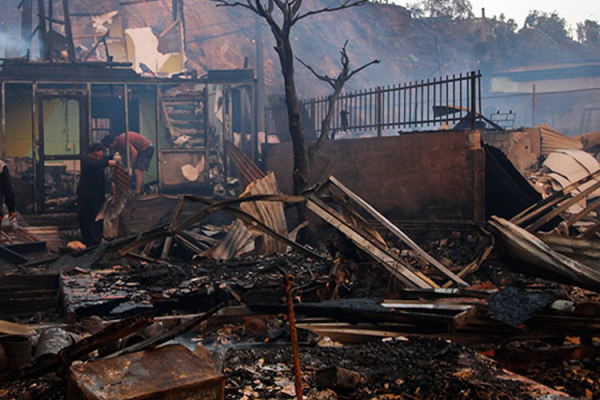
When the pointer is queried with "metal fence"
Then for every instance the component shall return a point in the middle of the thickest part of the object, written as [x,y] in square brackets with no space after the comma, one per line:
[408,106]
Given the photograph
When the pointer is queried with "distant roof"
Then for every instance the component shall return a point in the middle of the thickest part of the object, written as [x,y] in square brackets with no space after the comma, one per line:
[550,72]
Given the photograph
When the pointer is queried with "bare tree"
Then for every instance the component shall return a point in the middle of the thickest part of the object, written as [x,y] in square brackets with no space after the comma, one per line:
[282,15]
[337,84]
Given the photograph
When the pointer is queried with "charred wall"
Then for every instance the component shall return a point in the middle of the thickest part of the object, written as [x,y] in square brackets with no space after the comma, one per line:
[417,176]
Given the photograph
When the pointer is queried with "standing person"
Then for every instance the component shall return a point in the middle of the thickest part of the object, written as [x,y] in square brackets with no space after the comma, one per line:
[140,150]
[7,193]
[90,193]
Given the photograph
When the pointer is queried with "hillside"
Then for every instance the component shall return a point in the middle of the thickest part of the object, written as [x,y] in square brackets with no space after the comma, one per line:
[410,49]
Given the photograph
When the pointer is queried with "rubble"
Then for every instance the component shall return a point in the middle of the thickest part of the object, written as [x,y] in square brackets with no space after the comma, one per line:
[428,267]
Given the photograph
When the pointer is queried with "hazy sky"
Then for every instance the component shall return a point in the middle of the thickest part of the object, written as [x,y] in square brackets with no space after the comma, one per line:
[572,10]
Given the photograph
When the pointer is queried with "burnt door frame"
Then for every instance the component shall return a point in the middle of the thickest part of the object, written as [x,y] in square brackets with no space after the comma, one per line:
[82,98]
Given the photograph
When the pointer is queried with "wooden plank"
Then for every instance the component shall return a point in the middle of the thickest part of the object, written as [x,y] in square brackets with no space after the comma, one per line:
[400,271]
[562,207]
[528,248]
[396,231]
[12,256]
[549,202]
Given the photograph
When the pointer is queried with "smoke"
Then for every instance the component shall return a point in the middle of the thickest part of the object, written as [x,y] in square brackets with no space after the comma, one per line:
[11,46]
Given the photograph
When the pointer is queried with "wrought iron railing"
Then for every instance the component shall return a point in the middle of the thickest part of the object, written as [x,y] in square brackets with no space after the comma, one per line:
[453,100]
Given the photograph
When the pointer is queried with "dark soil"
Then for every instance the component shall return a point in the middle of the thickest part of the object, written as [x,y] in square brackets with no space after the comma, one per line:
[412,369]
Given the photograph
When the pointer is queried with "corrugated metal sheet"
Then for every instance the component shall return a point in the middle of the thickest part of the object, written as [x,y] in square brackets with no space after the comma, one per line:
[270,213]
[553,140]
[569,166]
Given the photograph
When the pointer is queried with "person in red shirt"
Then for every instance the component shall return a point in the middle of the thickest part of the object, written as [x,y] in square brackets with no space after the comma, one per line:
[140,150]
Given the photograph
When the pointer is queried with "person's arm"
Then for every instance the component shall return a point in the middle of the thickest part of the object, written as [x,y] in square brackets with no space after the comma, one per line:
[9,193]
[133,153]
[88,162]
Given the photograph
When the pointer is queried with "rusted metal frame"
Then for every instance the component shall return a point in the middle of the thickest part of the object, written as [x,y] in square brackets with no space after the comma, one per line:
[562,207]
[397,232]
[168,335]
[3,126]
[82,349]
[397,267]
[535,209]
[288,280]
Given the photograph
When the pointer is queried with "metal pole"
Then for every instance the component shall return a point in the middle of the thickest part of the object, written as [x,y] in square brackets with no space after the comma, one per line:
[288,280]
[379,105]
[126,104]
[3,94]
[473,101]
[260,77]
[157,136]
[34,147]
[254,134]
[89,118]
[534,106]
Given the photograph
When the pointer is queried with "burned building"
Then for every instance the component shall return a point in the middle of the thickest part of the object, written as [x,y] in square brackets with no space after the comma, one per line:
[417,262]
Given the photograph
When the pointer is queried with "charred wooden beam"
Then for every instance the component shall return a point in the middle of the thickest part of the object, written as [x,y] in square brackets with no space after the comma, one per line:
[170,334]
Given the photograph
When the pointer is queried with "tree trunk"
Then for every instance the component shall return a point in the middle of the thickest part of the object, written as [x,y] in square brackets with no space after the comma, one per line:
[325,125]
[286,58]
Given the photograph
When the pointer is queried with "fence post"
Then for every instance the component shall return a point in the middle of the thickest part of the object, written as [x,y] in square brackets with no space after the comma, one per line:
[534,106]
[379,110]
[473,100]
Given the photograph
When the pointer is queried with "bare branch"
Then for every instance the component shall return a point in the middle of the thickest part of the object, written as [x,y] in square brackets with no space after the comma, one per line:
[356,71]
[324,78]
[338,85]
[225,3]
[346,4]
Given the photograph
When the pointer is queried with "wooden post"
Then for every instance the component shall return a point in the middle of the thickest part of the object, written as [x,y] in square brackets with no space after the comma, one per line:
[69,32]
[42,29]
[26,21]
